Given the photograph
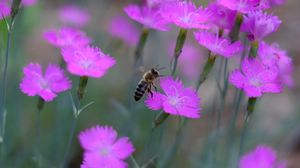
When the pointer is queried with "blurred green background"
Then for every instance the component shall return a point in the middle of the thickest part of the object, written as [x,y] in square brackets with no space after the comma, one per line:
[275,122]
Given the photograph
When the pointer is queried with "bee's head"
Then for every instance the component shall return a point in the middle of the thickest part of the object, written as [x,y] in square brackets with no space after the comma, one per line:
[155,72]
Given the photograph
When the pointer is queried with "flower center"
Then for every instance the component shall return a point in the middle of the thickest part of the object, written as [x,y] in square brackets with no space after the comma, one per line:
[44,84]
[255,82]
[174,101]
[86,64]
[105,151]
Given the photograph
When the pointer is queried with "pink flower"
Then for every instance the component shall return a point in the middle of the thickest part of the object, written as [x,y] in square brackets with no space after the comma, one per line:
[176,99]
[4,9]
[274,57]
[218,45]
[276,2]
[102,148]
[87,61]
[29,2]
[258,25]
[223,17]
[189,61]
[244,6]
[120,27]
[255,78]
[74,16]
[46,86]
[66,37]
[149,17]
[186,15]
[261,157]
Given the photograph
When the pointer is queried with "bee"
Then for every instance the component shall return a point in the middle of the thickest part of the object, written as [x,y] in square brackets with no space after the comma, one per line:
[146,83]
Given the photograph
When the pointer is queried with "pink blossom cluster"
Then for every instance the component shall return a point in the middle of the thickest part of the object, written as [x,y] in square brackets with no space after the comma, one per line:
[103,148]
[81,58]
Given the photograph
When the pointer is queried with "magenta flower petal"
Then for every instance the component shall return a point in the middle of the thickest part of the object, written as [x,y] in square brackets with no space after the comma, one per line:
[237,78]
[176,100]
[252,67]
[223,17]
[258,25]
[261,157]
[149,17]
[252,91]
[74,16]
[32,73]
[47,94]
[46,86]
[92,160]
[218,45]
[57,81]
[66,37]
[155,102]
[95,136]
[102,148]
[244,6]
[123,148]
[274,57]
[87,61]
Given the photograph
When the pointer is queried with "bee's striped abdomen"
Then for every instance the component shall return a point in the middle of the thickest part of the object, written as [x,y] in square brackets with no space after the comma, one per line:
[140,90]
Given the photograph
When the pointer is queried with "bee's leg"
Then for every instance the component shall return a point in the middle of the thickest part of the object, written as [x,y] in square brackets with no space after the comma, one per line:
[149,91]
[155,87]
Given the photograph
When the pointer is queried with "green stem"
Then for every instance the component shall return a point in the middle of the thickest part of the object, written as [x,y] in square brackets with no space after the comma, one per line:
[207,68]
[81,88]
[3,91]
[250,110]
[140,47]
[234,33]
[80,93]
[38,155]
[71,137]
[173,151]
[251,106]
[159,119]
[253,49]
[178,48]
